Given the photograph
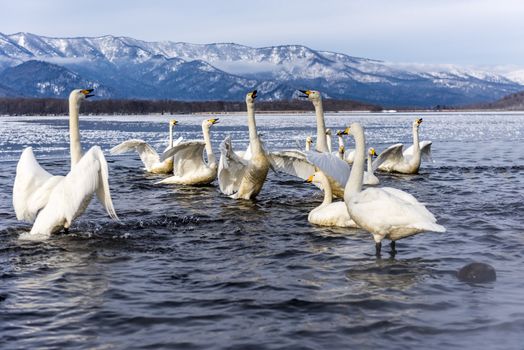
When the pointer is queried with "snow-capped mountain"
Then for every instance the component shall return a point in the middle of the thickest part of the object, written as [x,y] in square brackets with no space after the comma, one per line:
[122,67]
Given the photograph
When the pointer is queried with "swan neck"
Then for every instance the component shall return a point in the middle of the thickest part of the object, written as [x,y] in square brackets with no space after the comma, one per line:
[340,141]
[354,184]
[75,148]
[321,127]
[170,135]
[328,193]
[209,150]
[328,141]
[370,165]
[416,146]
[308,146]
[254,141]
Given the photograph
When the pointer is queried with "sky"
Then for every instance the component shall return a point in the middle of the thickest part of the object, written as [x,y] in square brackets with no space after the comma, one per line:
[466,32]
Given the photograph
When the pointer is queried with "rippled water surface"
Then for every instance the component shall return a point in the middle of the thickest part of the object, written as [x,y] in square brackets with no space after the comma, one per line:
[190,268]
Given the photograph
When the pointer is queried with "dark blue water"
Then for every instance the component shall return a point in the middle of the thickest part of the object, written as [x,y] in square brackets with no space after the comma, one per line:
[189,268]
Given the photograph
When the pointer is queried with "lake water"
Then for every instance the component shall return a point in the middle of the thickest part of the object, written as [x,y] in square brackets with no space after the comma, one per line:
[190,268]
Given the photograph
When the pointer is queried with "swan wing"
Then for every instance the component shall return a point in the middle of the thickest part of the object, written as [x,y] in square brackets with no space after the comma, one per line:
[147,154]
[331,165]
[391,154]
[176,142]
[292,163]
[188,157]
[425,150]
[231,168]
[32,188]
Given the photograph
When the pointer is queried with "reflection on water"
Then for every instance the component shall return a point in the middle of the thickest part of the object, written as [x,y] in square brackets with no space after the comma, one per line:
[190,268]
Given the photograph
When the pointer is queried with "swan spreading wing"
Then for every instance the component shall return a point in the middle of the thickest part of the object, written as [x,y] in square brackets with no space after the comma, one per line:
[231,168]
[187,156]
[391,154]
[32,186]
[293,163]
[425,150]
[147,154]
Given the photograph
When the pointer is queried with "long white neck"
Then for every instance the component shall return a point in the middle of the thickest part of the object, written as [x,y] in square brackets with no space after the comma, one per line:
[370,165]
[328,141]
[170,135]
[328,193]
[416,146]
[75,148]
[354,184]
[254,141]
[340,141]
[209,150]
[308,146]
[321,127]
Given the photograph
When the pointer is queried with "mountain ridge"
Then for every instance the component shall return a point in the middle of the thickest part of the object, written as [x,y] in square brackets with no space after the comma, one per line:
[131,68]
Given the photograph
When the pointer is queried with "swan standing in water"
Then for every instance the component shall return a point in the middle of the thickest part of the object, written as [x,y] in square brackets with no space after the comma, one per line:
[53,202]
[393,160]
[147,154]
[328,213]
[190,167]
[240,178]
[384,212]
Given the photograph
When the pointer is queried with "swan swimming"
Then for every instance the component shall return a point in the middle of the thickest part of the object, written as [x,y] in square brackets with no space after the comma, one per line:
[53,202]
[384,212]
[393,160]
[147,154]
[239,178]
[190,167]
[328,213]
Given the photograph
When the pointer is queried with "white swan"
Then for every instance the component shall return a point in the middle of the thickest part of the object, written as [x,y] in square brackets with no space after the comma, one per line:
[384,212]
[328,213]
[240,178]
[309,142]
[369,177]
[316,99]
[341,146]
[53,202]
[190,167]
[147,154]
[392,159]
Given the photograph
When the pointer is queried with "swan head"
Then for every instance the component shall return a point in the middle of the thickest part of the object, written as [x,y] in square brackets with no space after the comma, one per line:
[251,96]
[372,152]
[210,122]
[312,95]
[341,149]
[417,122]
[309,140]
[78,95]
[173,122]
[343,132]
[328,132]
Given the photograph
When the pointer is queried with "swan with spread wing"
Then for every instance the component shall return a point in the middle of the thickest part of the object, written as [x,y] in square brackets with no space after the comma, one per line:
[189,164]
[384,212]
[238,177]
[394,160]
[148,155]
[50,202]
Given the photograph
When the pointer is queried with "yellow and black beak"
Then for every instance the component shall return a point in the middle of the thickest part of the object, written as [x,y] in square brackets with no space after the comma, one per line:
[254,94]
[214,121]
[173,122]
[419,121]
[305,92]
[373,153]
[310,179]
[87,93]
[343,132]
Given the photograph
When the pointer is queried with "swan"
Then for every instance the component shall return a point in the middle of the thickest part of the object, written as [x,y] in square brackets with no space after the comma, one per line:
[328,213]
[369,177]
[190,167]
[240,178]
[315,98]
[53,202]
[309,142]
[147,154]
[341,146]
[392,159]
[384,212]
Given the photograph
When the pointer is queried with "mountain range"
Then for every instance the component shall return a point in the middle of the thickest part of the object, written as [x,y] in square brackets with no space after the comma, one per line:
[123,67]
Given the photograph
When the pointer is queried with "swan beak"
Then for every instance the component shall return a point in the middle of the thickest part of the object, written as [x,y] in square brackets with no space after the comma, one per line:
[214,121]
[305,92]
[419,121]
[310,179]
[87,93]
[347,131]
[373,153]
[343,132]
[173,122]
[254,94]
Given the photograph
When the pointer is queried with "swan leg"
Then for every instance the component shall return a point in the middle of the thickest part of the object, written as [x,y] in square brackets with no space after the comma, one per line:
[392,245]
[378,248]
